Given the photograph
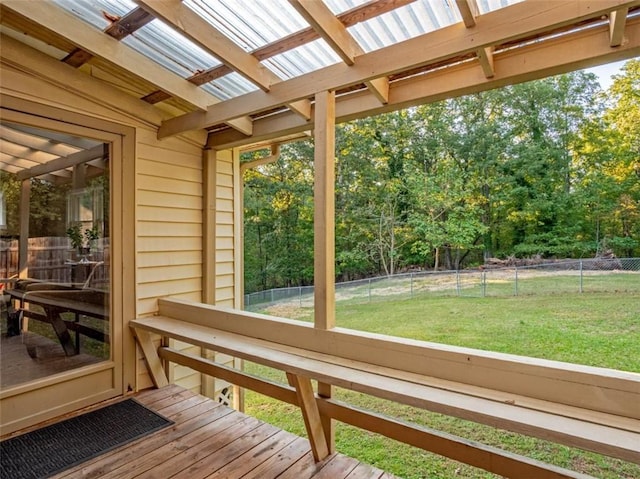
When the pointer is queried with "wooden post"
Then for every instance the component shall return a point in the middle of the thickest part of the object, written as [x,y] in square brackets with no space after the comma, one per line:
[23,248]
[324,214]
[324,230]
[207,383]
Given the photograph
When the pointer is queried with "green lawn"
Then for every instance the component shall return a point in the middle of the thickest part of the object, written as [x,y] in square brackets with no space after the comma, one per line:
[599,329]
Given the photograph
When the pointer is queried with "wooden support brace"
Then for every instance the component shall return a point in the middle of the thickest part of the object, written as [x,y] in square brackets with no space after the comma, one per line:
[485,55]
[311,415]
[617,21]
[150,352]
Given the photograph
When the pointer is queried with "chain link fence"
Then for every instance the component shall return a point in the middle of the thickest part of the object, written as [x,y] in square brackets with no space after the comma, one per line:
[615,275]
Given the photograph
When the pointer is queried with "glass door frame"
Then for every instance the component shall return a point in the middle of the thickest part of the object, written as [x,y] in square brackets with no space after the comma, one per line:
[29,403]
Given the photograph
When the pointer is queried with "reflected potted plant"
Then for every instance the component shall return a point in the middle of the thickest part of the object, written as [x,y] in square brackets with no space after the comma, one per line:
[82,241]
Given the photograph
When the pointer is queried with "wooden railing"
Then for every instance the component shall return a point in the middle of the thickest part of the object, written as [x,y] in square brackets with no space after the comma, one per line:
[591,408]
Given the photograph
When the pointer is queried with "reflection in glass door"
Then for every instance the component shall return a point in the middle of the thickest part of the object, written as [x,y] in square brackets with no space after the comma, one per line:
[54,254]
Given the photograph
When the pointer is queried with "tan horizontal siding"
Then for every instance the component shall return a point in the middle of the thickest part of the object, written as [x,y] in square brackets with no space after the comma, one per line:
[165,170]
[225,180]
[188,287]
[160,258]
[224,243]
[169,229]
[167,199]
[169,215]
[176,186]
[225,192]
[168,273]
[224,267]
[225,231]
[169,244]
[224,217]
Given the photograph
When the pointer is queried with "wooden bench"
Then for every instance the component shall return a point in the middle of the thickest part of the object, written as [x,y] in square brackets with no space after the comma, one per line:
[612,430]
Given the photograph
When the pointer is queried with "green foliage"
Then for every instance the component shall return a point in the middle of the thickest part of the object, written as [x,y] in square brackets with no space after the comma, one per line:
[549,168]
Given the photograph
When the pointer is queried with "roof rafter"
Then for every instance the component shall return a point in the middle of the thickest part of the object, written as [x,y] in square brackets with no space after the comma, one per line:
[582,49]
[351,17]
[53,18]
[329,28]
[48,16]
[119,29]
[184,20]
[469,11]
[508,24]
[334,32]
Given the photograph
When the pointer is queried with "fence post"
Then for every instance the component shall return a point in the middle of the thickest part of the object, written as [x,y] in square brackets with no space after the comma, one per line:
[369,289]
[516,285]
[300,295]
[412,285]
[484,284]
[458,282]
[581,277]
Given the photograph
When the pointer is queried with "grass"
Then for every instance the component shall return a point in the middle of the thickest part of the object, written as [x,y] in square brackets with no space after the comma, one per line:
[598,329]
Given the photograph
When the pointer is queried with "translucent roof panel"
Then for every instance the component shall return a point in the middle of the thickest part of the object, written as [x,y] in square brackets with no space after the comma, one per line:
[253,24]
[405,22]
[155,40]
[91,11]
[164,45]
[486,6]
[229,86]
[303,59]
[250,23]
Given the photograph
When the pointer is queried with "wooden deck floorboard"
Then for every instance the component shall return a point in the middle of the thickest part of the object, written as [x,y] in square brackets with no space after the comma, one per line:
[209,440]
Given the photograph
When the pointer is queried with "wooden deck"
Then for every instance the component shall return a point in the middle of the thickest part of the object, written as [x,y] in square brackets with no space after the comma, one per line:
[209,440]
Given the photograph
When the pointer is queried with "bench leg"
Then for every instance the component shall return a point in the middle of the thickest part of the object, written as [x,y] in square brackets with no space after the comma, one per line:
[311,415]
[154,362]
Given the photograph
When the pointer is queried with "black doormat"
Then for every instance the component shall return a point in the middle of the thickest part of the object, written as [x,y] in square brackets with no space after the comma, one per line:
[52,449]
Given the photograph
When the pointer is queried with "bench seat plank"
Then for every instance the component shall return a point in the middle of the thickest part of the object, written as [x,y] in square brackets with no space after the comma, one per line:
[609,434]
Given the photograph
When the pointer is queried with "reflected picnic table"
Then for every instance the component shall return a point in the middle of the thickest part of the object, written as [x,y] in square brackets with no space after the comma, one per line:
[58,299]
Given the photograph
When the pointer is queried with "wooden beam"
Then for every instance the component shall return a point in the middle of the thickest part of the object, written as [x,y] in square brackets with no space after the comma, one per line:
[329,28]
[324,230]
[302,108]
[63,162]
[311,415]
[156,369]
[351,17]
[119,29]
[583,49]
[324,212]
[617,21]
[77,58]
[334,32]
[485,55]
[273,157]
[504,25]
[242,379]
[209,187]
[469,11]
[193,26]
[47,15]
[476,454]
